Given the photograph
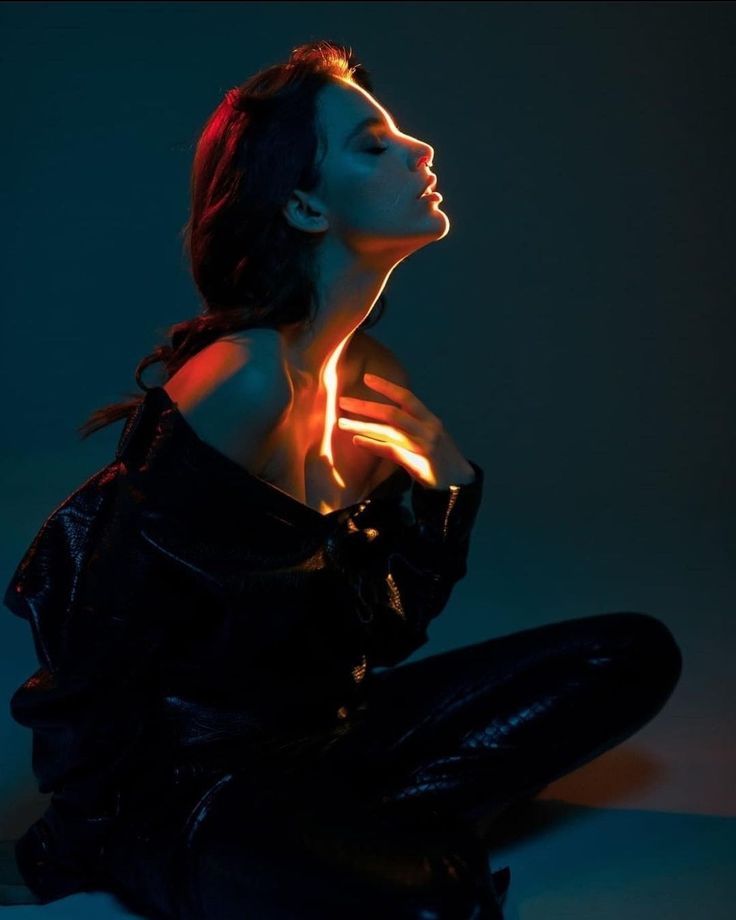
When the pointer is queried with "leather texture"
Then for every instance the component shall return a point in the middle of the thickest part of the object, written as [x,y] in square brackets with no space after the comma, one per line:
[188,616]
[224,714]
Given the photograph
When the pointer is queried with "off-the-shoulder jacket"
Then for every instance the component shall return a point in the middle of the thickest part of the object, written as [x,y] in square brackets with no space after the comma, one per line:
[180,605]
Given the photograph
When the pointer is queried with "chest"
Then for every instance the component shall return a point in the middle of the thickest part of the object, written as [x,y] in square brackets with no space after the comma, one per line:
[319,472]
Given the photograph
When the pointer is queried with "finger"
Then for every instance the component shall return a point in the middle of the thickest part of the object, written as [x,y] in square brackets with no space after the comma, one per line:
[381,432]
[402,395]
[389,414]
[415,464]
[379,448]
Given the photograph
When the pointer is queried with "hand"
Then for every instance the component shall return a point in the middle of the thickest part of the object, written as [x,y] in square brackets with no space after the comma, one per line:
[408,433]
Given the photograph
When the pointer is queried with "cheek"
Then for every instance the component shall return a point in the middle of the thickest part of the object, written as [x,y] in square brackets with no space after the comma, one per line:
[371,196]
[359,198]
[375,195]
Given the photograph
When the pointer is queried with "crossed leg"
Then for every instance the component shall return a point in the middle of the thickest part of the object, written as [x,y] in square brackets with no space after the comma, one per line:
[460,735]
[472,730]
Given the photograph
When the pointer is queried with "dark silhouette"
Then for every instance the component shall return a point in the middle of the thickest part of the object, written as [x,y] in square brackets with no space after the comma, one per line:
[222,710]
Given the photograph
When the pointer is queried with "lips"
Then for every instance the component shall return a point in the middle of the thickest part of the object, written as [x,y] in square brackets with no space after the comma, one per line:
[429,186]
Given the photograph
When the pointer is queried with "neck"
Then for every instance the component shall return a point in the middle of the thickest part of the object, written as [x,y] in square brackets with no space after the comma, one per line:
[347,290]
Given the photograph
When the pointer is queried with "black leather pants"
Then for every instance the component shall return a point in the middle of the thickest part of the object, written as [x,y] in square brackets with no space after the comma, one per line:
[384,824]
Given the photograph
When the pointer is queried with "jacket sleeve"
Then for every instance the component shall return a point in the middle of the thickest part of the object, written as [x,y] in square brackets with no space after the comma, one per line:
[86,588]
[403,570]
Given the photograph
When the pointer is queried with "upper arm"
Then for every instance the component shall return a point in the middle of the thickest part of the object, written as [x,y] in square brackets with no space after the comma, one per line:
[240,412]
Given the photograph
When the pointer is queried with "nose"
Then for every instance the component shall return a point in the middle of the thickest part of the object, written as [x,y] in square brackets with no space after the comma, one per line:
[427,158]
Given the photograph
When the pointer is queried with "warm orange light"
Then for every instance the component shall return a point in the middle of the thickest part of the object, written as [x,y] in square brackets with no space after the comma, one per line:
[398,440]
[418,464]
[329,381]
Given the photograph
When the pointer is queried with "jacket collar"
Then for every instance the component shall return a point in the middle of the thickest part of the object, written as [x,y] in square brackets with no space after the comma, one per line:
[159,444]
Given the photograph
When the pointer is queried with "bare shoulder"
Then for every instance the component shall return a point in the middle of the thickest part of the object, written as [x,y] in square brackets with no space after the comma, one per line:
[377,358]
[234,393]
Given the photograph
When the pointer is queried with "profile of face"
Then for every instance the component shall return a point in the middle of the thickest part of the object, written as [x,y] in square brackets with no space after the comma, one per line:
[371,175]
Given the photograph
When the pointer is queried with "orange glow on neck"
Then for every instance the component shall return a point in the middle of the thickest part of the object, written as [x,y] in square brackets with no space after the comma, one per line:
[411,459]
[329,381]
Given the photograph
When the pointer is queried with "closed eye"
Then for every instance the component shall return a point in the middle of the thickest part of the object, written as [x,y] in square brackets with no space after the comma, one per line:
[376,149]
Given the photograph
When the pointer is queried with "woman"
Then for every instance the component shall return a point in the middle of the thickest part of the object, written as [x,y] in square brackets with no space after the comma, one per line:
[221,612]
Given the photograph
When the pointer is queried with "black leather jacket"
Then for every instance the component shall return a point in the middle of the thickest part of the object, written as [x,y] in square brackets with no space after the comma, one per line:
[180,605]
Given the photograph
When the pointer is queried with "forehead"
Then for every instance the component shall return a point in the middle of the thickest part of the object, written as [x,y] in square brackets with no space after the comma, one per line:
[342,105]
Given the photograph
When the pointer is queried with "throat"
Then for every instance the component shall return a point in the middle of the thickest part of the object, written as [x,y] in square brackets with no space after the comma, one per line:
[313,459]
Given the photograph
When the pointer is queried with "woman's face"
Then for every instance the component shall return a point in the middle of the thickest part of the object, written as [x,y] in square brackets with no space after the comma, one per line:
[372,173]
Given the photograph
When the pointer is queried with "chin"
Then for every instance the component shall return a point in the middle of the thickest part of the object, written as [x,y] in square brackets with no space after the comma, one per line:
[441,223]
[446,226]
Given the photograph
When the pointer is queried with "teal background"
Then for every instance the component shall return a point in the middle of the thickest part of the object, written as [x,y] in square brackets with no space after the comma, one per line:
[574,331]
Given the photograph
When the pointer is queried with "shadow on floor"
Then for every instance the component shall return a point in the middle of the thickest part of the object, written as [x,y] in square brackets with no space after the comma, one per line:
[568,862]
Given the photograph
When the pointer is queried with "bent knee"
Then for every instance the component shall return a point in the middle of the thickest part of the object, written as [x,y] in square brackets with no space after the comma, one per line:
[649,645]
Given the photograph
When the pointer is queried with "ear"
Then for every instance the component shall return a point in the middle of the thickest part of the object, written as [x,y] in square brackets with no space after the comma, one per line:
[304,212]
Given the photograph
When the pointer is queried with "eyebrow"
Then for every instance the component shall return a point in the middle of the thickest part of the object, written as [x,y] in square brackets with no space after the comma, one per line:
[371,120]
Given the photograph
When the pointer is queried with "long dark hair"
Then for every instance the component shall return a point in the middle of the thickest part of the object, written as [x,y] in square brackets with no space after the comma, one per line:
[250,266]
